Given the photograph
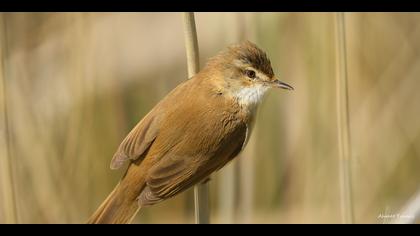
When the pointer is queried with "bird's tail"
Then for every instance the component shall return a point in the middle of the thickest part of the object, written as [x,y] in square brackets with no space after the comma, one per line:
[118,208]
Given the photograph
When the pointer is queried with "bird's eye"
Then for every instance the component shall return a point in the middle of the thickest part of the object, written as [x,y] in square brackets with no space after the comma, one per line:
[250,74]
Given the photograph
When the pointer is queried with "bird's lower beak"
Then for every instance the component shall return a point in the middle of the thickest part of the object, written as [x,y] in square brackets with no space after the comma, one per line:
[278,84]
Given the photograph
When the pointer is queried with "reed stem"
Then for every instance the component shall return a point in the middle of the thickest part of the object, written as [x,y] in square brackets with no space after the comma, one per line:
[343,122]
[201,191]
[191,44]
[6,165]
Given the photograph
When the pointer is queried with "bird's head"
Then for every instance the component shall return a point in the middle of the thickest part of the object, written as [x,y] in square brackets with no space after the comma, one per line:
[246,72]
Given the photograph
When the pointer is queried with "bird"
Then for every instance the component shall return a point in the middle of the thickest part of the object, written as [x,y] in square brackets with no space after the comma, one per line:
[195,130]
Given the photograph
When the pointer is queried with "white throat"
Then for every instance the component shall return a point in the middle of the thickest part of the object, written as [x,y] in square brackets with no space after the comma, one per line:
[251,97]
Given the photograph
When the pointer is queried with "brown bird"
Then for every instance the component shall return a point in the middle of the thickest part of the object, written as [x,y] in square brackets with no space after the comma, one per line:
[194,131]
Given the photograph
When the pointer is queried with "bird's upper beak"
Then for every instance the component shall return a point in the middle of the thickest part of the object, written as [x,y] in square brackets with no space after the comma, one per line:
[276,83]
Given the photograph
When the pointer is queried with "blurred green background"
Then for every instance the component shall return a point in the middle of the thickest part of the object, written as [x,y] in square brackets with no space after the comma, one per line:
[74,84]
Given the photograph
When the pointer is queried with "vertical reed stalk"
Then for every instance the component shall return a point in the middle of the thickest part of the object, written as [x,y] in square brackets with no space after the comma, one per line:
[6,166]
[201,191]
[343,122]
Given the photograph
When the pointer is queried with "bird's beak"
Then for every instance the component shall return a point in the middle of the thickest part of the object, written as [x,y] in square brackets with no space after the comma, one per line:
[276,83]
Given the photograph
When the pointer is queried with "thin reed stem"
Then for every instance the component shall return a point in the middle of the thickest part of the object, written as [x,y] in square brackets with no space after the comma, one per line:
[201,191]
[6,162]
[343,122]
[191,44]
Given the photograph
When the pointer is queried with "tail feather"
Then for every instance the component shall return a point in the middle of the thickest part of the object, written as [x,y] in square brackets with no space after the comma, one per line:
[118,208]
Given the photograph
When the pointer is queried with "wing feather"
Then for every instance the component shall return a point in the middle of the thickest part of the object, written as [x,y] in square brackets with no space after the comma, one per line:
[138,140]
[176,173]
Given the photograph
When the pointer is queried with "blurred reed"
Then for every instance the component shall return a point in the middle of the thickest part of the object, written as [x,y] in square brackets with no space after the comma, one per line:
[7,182]
[343,122]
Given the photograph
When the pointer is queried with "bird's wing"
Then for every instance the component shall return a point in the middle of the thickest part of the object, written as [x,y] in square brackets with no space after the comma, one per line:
[175,173]
[138,140]
[141,137]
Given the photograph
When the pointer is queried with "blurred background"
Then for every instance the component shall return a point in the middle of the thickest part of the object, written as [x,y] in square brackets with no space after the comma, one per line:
[74,84]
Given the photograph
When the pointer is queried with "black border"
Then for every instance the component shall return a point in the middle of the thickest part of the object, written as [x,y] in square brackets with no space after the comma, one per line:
[208,5]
